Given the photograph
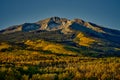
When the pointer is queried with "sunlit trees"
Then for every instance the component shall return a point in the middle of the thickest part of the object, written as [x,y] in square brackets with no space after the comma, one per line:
[25,77]
[83,40]
[43,77]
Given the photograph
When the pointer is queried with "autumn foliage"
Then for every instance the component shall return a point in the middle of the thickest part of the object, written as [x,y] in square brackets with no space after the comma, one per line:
[42,60]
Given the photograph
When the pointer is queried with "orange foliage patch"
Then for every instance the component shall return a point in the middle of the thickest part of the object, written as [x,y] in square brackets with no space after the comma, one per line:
[82,40]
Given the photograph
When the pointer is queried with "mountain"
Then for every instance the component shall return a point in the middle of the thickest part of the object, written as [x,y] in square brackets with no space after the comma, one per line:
[73,36]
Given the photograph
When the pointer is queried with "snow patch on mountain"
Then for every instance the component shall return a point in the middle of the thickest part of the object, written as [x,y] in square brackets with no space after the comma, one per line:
[30,27]
[53,24]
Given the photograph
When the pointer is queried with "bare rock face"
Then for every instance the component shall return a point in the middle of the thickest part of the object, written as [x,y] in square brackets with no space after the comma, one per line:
[12,29]
[53,23]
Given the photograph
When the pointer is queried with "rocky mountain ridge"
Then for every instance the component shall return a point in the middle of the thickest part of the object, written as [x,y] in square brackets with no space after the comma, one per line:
[85,36]
[53,23]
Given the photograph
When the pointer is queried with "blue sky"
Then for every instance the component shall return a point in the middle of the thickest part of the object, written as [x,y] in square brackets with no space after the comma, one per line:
[101,12]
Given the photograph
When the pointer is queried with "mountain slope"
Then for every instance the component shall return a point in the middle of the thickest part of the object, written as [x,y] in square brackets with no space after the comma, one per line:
[81,37]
